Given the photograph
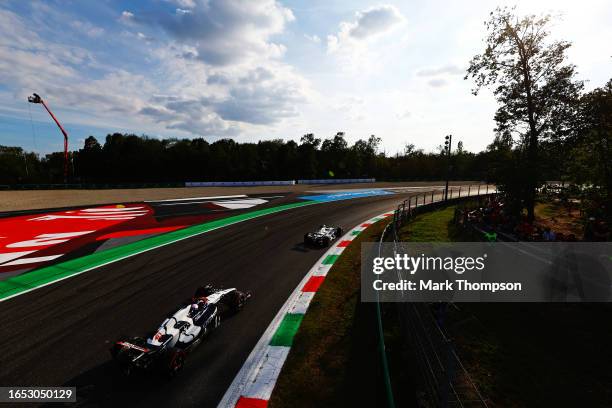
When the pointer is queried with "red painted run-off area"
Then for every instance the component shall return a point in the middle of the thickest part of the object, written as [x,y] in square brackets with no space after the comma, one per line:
[29,241]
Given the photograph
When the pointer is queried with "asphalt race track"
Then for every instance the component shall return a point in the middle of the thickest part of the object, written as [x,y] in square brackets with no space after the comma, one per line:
[60,334]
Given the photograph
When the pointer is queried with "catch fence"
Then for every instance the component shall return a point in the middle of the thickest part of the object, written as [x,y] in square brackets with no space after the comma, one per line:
[441,379]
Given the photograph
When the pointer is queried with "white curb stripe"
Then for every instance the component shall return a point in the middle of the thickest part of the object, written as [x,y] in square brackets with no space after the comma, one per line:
[268,371]
[301,303]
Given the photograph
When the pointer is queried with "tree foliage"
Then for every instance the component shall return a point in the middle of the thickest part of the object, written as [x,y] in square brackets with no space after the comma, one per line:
[533,84]
[590,147]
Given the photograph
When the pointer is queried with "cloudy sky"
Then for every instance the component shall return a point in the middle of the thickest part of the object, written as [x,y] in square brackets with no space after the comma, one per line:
[252,70]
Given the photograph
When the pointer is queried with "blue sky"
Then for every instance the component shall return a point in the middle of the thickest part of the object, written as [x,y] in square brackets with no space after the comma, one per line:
[263,69]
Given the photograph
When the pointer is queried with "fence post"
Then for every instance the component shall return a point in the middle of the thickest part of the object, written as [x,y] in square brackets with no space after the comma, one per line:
[487,189]
[478,189]
[459,191]
[449,372]
[469,190]
[432,196]
[451,193]
[398,215]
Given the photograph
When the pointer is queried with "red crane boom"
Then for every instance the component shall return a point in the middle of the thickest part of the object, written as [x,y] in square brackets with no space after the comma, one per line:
[35,98]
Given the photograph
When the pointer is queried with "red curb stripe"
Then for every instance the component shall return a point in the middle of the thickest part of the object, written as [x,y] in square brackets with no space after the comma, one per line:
[366,224]
[245,402]
[313,284]
[387,215]
[343,244]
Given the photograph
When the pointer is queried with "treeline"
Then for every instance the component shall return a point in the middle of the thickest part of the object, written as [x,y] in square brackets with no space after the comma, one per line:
[127,158]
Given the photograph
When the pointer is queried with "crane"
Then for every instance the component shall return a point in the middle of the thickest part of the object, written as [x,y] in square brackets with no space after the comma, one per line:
[35,98]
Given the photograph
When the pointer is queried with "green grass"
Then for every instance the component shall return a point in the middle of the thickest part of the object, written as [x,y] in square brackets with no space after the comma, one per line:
[429,227]
[435,226]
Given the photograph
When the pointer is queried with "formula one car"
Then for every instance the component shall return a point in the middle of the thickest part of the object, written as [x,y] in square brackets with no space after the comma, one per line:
[323,236]
[167,348]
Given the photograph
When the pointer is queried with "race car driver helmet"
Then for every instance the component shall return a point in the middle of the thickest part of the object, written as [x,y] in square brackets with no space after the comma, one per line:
[195,308]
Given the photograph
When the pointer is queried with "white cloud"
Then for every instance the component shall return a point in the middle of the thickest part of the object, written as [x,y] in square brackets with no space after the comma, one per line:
[144,37]
[226,32]
[368,25]
[186,4]
[223,74]
[442,70]
[403,115]
[437,82]
[259,97]
[87,28]
[314,38]
[126,17]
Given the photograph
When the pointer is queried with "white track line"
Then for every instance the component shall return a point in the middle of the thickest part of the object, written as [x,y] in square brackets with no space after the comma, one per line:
[196,198]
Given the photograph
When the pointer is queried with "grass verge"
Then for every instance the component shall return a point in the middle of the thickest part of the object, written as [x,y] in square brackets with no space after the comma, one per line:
[434,226]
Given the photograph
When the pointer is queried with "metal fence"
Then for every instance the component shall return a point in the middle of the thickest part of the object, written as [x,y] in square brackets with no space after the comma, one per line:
[440,377]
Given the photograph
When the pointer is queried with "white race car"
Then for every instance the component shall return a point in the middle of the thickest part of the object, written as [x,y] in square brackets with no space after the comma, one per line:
[167,347]
[323,236]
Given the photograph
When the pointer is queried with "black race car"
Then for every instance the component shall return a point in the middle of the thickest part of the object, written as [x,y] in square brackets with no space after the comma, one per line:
[323,236]
[167,347]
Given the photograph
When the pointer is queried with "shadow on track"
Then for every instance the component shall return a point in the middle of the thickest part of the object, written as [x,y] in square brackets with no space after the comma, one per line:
[301,247]
[104,385]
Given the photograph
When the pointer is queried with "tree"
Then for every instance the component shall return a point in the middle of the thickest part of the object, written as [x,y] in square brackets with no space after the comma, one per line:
[591,146]
[334,153]
[532,83]
[310,139]
[596,133]
[307,156]
[373,144]
[89,160]
[460,147]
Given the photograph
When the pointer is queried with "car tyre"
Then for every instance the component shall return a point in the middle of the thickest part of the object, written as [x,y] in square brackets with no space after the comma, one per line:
[176,362]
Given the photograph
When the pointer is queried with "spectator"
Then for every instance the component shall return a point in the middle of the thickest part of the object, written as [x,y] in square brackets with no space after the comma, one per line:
[589,233]
[601,232]
[548,235]
[525,230]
